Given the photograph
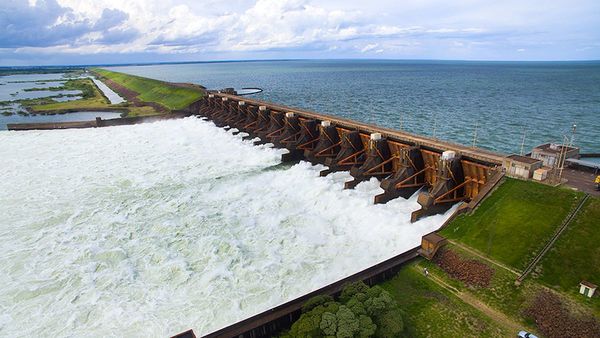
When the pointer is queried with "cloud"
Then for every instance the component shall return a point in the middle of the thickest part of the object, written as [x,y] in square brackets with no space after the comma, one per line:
[302,28]
[45,23]
[110,18]
[369,47]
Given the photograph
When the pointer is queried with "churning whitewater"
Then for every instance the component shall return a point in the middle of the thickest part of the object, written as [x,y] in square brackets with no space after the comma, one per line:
[148,230]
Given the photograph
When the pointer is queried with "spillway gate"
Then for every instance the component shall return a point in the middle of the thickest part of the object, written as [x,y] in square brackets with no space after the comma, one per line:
[445,173]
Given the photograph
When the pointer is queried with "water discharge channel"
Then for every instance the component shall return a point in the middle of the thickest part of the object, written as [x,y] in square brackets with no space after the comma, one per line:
[151,229]
[110,94]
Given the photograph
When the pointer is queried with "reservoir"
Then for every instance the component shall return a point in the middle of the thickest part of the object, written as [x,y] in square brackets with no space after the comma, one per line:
[449,100]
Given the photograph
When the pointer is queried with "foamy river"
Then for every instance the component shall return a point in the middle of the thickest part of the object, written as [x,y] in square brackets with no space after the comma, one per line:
[148,230]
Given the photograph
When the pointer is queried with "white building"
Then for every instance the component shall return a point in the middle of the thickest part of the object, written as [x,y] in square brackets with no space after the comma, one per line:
[521,166]
[549,153]
[587,288]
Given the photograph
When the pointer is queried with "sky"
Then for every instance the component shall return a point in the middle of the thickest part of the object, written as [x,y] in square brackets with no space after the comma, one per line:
[59,32]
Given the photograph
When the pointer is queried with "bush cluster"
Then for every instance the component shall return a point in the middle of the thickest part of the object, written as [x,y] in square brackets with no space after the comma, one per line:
[360,311]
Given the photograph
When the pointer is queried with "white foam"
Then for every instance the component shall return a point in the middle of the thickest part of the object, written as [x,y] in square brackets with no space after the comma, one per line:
[151,229]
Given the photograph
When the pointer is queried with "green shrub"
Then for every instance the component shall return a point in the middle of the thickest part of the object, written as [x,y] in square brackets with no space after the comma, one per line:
[316,301]
[360,312]
[328,324]
[353,289]
[389,324]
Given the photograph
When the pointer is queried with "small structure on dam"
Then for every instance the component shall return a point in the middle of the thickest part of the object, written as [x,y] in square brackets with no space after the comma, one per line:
[404,163]
[430,244]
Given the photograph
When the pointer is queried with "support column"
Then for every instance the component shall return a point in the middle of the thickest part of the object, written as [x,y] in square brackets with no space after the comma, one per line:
[328,144]
[352,153]
[408,178]
[447,190]
[377,163]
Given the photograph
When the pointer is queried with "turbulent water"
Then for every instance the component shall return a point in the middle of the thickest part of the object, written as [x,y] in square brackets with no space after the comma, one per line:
[148,230]
[451,100]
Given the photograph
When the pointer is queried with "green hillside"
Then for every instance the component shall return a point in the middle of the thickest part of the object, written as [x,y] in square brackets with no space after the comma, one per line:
[166,94]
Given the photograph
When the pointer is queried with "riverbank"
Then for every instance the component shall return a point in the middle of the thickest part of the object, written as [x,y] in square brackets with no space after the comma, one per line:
[162,96]
[76,92]
[92,99]
[469,288]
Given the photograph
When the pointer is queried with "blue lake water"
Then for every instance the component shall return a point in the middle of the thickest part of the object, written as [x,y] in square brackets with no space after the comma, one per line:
[14,87]
[445,99]
[595,160]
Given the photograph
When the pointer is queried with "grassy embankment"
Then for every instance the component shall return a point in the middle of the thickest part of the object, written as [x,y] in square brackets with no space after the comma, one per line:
[433,310]
[513,223]
[503,233]
[575,255]
[149,90]
[92,98]
[150,96]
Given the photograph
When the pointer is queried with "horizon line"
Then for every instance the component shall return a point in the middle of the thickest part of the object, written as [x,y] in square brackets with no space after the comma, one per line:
[287,60]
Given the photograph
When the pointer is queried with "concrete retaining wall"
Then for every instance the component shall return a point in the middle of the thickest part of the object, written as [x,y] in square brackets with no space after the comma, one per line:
[273,321]
[96,123]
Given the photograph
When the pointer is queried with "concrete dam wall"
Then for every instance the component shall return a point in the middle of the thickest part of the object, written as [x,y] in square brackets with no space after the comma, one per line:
[447,173]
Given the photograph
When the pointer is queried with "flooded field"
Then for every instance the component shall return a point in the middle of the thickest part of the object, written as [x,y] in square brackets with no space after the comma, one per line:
[33,86]
[16,90]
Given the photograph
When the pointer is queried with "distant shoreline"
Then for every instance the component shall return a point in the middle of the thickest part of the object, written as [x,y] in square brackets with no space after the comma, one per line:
[58,68]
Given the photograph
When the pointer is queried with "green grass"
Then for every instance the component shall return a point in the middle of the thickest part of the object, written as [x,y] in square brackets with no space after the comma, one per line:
[501,294]
[150,90]
[515,222]
[431,311]
[92,98]
[575,256]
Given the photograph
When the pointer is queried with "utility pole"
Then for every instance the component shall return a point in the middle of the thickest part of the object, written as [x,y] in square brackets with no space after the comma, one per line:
[567,143]
[562,157]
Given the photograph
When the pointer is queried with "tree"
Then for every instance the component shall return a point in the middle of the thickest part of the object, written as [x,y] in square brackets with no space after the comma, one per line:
[360,312]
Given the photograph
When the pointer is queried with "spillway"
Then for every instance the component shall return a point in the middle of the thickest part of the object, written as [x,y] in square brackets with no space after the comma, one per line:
[150,229]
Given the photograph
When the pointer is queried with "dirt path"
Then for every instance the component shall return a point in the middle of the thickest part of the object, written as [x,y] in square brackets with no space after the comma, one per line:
[500,318]
[475,253]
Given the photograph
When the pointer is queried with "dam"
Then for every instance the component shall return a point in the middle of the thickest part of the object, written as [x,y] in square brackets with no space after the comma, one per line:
[386,166]
[442,173]
[403,162]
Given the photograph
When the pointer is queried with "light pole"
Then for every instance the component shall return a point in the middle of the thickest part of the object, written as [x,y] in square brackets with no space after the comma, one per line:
[523,142]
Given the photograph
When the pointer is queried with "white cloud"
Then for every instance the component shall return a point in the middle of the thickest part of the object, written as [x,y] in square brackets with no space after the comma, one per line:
[411,28]
[369,47]
[177,25]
